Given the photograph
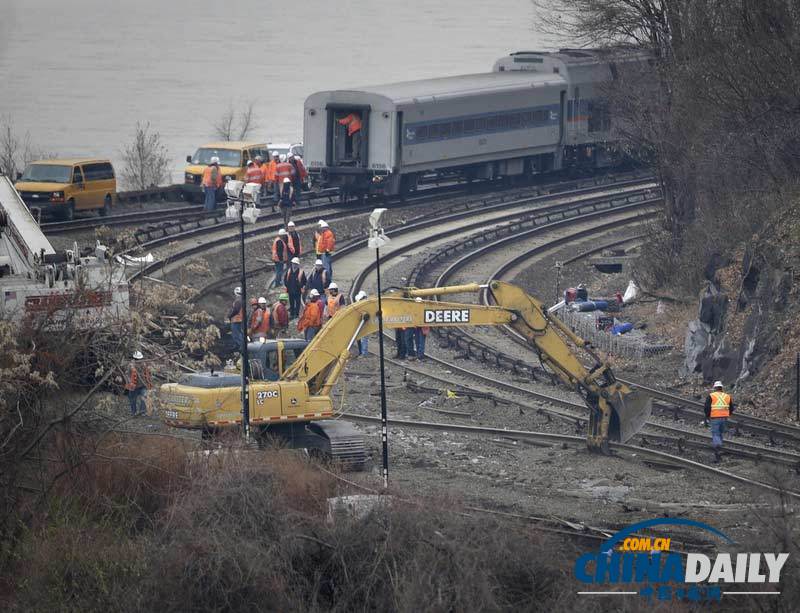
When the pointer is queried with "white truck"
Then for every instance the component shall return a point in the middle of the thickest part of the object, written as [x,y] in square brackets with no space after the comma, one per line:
[39,283]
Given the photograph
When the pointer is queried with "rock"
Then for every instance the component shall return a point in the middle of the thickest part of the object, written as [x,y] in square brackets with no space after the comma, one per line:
[698,338]
[713,305]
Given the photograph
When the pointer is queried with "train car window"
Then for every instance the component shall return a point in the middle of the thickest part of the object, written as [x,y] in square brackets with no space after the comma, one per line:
[421,133]
[514,120]
[433,131]
[469,126]
[502,122]
[444,130]
[527,118]
[491,123]
[457,128]
[480,125]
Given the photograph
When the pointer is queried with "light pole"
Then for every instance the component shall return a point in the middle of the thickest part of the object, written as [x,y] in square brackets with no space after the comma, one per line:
[237,193]
[376,240]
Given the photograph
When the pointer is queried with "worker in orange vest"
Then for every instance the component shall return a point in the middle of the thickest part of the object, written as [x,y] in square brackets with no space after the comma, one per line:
[280,256]
[311,318]
[235,316]
[293,240]
[325,244]
[333,302]
[269,176]
[283,170]
[212,181]
[718,408]
[253,317]
[260,320]
[353,124]
[139,381]
[254,173]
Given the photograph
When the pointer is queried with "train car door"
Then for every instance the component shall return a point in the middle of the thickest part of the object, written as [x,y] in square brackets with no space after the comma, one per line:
[348,131]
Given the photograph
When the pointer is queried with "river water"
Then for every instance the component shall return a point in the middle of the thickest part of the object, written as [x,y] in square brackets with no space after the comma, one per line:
[78,74]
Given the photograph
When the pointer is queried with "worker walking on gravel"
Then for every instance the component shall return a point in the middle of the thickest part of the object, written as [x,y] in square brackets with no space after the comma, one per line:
[318,279]
[139,382]
[293,240]
[325,244]
[286,200]
[235,316]
[295,282]
[333,302]
[311,319]
[280,257]
[212,181]
[280,316]
[719,407]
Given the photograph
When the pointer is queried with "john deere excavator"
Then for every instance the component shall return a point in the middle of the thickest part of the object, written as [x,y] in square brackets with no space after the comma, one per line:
[292,381]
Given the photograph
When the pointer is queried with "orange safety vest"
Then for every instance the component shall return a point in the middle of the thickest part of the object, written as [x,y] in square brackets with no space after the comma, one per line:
[334,303]
[353,123]
[294,244]
[311,317]
[326,241]
[283,170]
[212,177]
[284,257]
[254,175]
[133,378]
[720,404]
[259,328]
[269,171]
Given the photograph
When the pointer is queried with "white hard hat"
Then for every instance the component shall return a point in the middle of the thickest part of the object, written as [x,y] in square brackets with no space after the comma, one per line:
[282,157]
[214,160]
[250,162]
[137,355]
[318,263]
[322,223]
[295,260]
[718,384]
[282,232]
[361,295]
[237,291]
[262,300]
[333,286]
[290,224]
[417,299]
[259,158]
[275,154]
[287,180]
[313,293]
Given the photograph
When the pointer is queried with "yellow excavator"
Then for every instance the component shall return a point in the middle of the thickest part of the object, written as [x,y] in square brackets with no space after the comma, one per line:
[292,381]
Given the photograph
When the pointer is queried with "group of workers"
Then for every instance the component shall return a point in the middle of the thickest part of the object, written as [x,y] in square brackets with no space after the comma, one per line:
[282,178]
[312,298]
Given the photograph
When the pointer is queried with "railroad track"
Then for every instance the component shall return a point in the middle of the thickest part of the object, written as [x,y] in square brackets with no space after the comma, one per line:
[683,441]
[480,208]
[682,438]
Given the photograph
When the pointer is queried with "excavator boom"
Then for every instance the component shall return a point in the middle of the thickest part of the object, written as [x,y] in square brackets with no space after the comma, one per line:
[616,411]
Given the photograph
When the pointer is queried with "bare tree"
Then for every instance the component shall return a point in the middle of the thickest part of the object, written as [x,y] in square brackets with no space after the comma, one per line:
[235,125]
[16,152]
[146,159]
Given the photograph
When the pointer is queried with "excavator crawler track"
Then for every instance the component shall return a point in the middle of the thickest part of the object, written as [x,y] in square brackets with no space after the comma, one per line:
[346,444]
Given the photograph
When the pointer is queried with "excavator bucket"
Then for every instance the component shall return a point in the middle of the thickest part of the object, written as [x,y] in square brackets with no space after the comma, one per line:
[629,412]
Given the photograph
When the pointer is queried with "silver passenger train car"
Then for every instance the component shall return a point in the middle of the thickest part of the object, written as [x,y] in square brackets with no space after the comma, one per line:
[535,112]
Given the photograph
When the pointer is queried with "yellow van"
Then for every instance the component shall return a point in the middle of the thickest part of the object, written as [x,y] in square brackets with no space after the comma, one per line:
[233,156]
[66,186]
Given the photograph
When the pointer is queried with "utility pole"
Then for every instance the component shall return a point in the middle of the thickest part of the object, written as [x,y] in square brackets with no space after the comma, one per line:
[376,239]
[797,386]
[245,356]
